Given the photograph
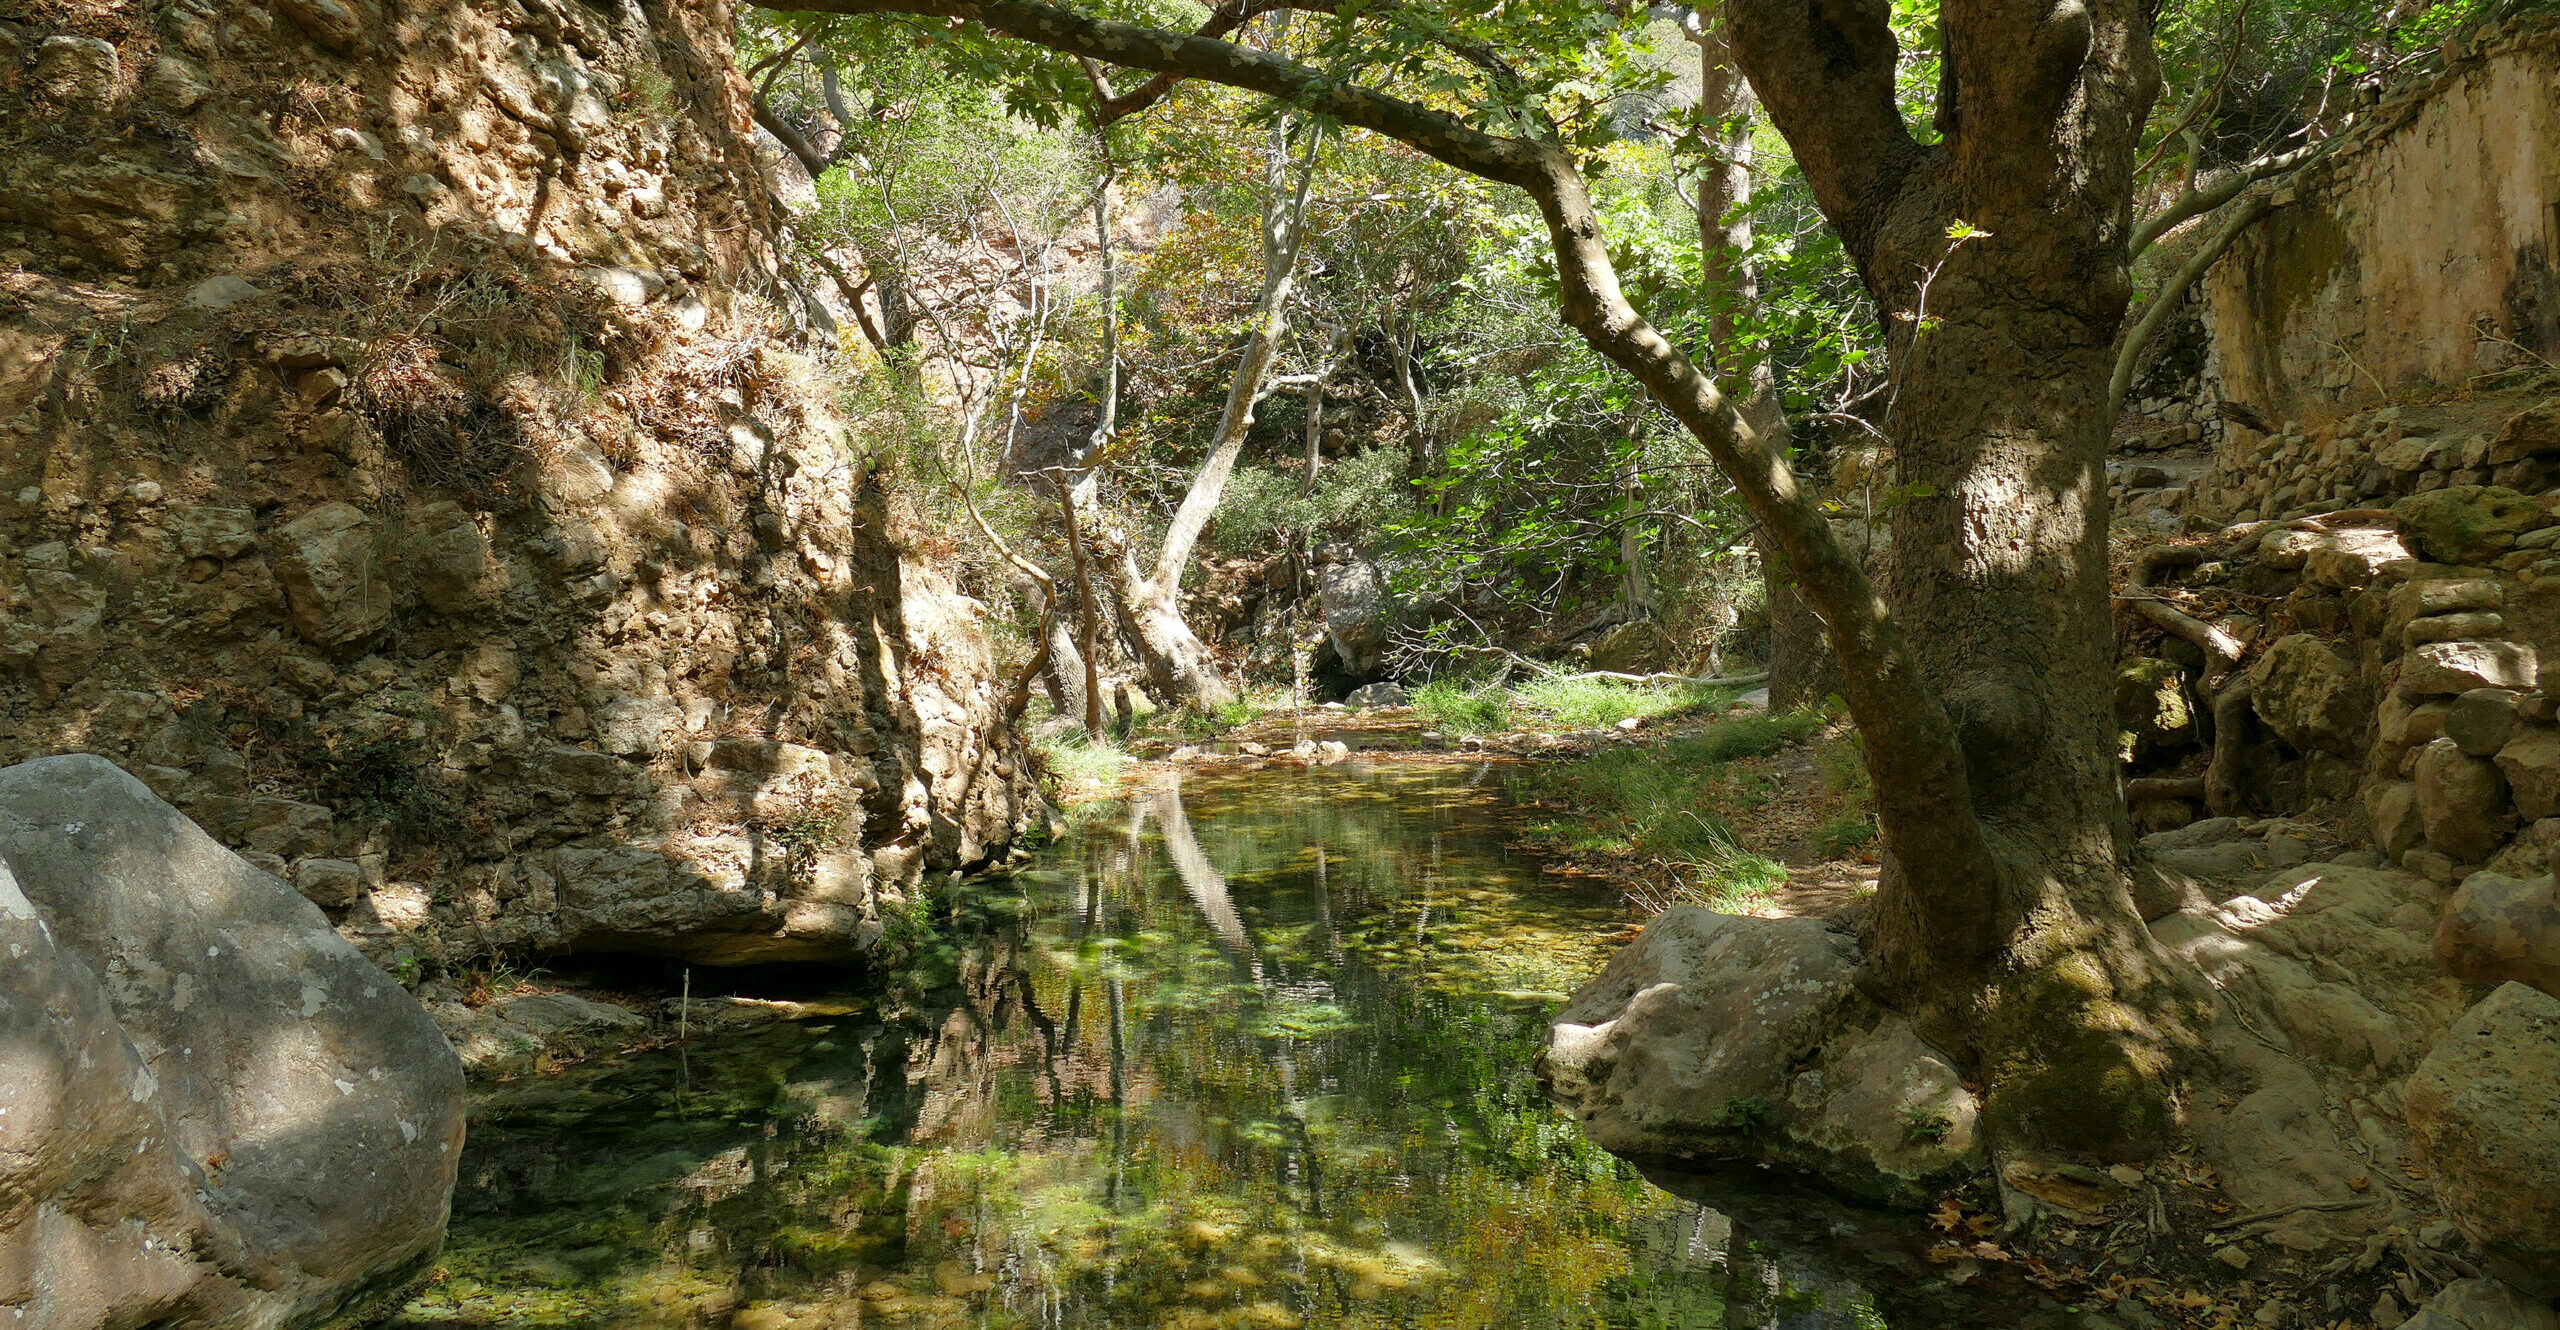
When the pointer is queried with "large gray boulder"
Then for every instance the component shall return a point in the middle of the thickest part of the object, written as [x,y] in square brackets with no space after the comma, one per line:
[2462,802]
[1719,1037]
[2531,764]
[2447,669]
[1355,601]
[2485,1110]
[2498,928]
[213,1111]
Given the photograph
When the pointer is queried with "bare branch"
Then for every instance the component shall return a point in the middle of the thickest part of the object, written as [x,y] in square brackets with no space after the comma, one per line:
[2195,203]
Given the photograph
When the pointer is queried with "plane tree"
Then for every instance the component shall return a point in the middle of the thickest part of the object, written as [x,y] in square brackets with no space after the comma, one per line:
[1995,248]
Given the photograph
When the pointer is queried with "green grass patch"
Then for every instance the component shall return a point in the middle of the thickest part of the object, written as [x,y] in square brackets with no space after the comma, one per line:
[1651,806]
[1457,708]
[1076,757]
[1460,707]
[1755,735]
[1841,836]
[1593,704]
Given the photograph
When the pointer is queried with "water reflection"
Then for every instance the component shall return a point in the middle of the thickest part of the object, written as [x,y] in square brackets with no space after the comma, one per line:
[1254,1052]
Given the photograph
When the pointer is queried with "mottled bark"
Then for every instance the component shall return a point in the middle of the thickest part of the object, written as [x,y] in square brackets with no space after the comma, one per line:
[2039,968]
[1178,664]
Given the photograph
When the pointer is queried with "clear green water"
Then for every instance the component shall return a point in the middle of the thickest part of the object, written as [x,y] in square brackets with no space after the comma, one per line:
[1251,1052]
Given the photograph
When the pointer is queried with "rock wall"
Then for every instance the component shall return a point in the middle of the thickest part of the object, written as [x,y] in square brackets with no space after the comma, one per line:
[2393,687]
[2423,253]
[413,466]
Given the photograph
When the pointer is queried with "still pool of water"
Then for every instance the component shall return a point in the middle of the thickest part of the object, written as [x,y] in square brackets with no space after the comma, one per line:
[1253,1050]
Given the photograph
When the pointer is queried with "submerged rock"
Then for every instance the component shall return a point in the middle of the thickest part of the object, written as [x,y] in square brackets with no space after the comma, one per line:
[1717,1037]
[2485,1107]
[213,1111]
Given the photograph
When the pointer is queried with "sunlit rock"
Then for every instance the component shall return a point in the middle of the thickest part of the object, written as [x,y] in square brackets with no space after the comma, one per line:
[1715,1037]
[2485,1106]
[213,1111]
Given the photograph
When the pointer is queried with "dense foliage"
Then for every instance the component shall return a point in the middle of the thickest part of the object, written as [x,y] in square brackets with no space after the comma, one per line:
[1522,491]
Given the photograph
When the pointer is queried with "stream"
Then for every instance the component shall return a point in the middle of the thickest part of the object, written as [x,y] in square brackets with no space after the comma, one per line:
[1252,1049]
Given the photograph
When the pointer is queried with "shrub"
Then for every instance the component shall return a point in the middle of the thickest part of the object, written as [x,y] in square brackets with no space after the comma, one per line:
[1457,709]
[1075,757]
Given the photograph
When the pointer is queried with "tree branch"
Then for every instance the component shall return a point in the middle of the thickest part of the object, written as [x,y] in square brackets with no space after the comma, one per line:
[1838,85]
[1189,55]
[2166,299]
[2193,202]
[791,139]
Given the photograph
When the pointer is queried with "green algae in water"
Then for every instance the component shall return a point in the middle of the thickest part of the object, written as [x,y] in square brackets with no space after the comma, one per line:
[1250,1053]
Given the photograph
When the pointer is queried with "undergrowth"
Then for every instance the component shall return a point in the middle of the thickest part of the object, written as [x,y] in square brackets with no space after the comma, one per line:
[1648,808]
[1458,707]
[1589,704]
[1075,758]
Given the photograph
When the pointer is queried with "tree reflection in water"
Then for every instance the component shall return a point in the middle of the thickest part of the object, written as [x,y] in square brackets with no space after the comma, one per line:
[1256,1054]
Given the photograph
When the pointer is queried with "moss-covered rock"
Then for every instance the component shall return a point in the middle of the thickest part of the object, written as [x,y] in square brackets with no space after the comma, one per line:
[2467,524]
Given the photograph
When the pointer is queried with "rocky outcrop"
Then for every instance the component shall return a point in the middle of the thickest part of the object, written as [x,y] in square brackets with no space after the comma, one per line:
[213,1111]
[2310,695]
[454,534]
[1352,593]
[2485,1106]
[1717,1037]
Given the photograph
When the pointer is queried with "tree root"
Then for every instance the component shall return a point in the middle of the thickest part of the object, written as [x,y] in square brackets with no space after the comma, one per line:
[2243,1221]
[2221,649]
[2164,787]
[1694,680]
[2222,785]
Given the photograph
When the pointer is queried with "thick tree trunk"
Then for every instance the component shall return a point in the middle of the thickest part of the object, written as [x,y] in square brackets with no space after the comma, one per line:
[1999,260]
[1064,679]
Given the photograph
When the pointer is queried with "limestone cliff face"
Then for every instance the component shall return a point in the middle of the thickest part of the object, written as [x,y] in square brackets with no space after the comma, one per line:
[2422,254]
[412,465]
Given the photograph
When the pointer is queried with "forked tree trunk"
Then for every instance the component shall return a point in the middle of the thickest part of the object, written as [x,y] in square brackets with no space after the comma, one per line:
[1178,664]
[2034,964]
